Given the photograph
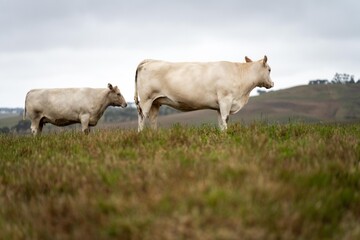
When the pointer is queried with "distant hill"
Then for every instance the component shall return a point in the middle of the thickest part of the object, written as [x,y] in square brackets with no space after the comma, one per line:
[308,103]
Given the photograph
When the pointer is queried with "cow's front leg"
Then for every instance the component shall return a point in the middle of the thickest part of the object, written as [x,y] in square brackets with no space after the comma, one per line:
[141,120]
[223,113]
[85,119]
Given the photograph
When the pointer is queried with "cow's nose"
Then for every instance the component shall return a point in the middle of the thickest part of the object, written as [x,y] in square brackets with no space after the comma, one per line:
[124,105]
[267,86]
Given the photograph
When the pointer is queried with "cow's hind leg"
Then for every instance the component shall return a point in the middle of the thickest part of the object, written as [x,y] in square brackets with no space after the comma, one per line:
[145,113]
[41,125]
[36,126]
[141,120]
[153,114]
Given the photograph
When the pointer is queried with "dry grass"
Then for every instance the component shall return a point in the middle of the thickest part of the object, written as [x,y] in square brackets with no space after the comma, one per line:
[259,181]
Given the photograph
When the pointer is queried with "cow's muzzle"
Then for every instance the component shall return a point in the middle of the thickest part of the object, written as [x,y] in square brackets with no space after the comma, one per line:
[267,86]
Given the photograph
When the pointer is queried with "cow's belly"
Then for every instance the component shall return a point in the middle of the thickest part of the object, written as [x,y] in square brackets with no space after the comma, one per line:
[184,105]
[59,121]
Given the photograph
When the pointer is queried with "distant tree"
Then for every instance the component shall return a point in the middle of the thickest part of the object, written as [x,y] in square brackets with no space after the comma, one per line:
[22,126]
[4,130]
[336,79]
[352,80]
[342,78]
[259,91]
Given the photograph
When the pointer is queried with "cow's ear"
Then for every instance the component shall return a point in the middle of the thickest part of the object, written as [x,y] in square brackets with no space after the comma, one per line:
[247,59]
[110,86]
[265,60]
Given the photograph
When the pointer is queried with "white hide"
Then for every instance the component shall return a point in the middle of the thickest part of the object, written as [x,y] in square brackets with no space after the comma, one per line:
[65,106]
[221,86]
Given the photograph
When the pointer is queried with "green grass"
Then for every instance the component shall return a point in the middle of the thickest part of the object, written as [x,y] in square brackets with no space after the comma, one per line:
[258,181]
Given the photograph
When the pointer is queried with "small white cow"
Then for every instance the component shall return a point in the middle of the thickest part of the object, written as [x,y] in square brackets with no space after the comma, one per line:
[65,106]
[221,86]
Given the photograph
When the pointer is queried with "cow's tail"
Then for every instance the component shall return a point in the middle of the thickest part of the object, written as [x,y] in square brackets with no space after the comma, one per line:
[24,112]
[136,97]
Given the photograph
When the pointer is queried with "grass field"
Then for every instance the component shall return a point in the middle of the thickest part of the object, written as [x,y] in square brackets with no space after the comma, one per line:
[257,181]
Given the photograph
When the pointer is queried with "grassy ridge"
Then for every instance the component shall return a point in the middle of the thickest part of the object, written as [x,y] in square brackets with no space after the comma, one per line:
[254,182]
[9,121]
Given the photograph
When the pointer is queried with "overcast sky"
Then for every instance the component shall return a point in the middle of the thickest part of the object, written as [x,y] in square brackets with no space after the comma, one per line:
[88,43]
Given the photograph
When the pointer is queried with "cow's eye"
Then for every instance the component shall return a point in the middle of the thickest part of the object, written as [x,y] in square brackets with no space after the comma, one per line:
[269,69]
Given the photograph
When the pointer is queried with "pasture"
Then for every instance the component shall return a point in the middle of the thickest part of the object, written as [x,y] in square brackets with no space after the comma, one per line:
[257,181]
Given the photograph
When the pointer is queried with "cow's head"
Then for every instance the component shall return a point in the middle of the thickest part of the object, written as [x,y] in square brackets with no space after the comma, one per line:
[115,97]
[262,72]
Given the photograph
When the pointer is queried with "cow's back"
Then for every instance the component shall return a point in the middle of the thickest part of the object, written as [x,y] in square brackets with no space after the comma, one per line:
[42,99]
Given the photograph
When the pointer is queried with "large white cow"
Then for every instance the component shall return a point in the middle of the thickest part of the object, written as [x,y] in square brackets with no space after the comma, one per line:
[221,86]
[65,106]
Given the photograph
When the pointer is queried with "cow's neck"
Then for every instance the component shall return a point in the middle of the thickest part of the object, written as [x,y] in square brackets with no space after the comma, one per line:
[247,87]
[253,80]
[104,104]
[247,78]
[244,89]
[241,99]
